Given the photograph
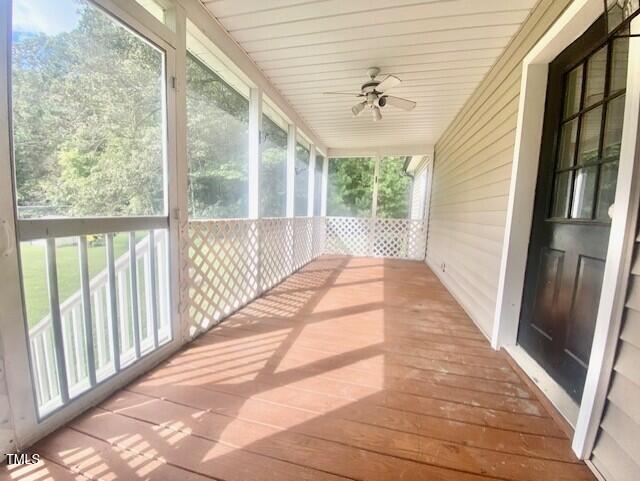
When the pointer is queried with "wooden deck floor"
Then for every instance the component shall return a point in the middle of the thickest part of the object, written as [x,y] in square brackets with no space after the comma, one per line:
[361,369]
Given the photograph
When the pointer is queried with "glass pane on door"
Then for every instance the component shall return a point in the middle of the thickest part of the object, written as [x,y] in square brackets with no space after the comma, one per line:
[619,61]
[596,73]
[590,137]
[584,190]
[613,129]
[573,91]
[567,147]
[606,190]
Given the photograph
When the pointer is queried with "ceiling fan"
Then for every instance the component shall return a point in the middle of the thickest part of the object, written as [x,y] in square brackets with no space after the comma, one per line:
[374,95]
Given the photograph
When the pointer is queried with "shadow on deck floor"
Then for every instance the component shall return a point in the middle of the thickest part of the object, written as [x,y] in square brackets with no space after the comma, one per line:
[360,369]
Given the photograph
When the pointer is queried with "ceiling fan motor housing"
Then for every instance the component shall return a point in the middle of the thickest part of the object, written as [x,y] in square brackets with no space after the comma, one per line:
[369,87]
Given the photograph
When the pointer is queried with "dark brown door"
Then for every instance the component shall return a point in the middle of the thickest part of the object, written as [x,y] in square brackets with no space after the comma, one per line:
[571,223]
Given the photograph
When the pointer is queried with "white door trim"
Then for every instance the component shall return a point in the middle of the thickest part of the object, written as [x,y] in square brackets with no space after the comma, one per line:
[570,25]
[560,399]
[618,266]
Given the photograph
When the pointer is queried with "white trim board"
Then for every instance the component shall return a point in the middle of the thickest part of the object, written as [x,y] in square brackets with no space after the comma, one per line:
[575,20]
[564,404]
[618,266]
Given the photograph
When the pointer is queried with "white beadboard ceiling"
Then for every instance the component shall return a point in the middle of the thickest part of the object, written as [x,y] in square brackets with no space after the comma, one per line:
[440,49]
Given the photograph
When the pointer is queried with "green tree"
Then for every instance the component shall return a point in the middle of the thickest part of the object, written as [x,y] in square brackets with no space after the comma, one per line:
[273,191]
[394,188]
[218,145]
[350,187]
[87,111]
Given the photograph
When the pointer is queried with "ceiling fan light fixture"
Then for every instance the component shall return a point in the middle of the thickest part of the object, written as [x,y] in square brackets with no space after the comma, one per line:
[357,108]
[374,96]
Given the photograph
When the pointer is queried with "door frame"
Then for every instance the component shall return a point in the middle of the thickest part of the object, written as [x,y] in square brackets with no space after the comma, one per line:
[575,20]
[26,426]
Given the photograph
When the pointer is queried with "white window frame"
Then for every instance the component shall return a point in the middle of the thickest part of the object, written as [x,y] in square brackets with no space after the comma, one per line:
[575,20]
[26,423]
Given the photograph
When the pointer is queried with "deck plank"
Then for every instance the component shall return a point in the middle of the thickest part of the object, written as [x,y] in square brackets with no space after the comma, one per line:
[360,369]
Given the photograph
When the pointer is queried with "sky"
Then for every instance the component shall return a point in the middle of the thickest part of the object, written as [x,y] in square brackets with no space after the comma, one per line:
[43,16]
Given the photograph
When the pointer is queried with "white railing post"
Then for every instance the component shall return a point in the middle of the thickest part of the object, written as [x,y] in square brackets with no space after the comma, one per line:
[255,128]
[291,182]
[291,170]
[56,320]
[374,206]
[133,287]
[255,172]
[311,181]
[153,286]
[374,198]
[325,186]
[86,309]
[113,304]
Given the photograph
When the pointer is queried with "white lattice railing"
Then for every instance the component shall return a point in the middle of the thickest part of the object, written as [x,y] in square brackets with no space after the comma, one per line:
[361,236]
[228,263]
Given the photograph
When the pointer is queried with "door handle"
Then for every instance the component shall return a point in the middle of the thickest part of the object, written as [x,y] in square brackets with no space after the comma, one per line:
[7,245]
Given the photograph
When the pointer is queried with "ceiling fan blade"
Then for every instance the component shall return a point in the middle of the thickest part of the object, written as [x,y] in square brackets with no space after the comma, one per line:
[357,108]
[342,93]
[403,104]
[389,82]
[377,115]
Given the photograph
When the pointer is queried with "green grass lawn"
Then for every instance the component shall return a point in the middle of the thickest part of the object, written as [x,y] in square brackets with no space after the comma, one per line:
[35,278]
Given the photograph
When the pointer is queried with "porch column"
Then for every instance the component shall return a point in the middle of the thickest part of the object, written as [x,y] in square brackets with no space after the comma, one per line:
[291,169]
[312,177]
[325,183]
[255,128]
[178,169]
[374,200]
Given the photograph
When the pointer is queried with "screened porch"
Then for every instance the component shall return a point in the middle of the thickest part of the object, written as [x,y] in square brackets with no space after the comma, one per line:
[309,240]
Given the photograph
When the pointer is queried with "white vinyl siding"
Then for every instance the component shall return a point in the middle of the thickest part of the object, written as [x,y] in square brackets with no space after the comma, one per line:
[472,172]
[617,452]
